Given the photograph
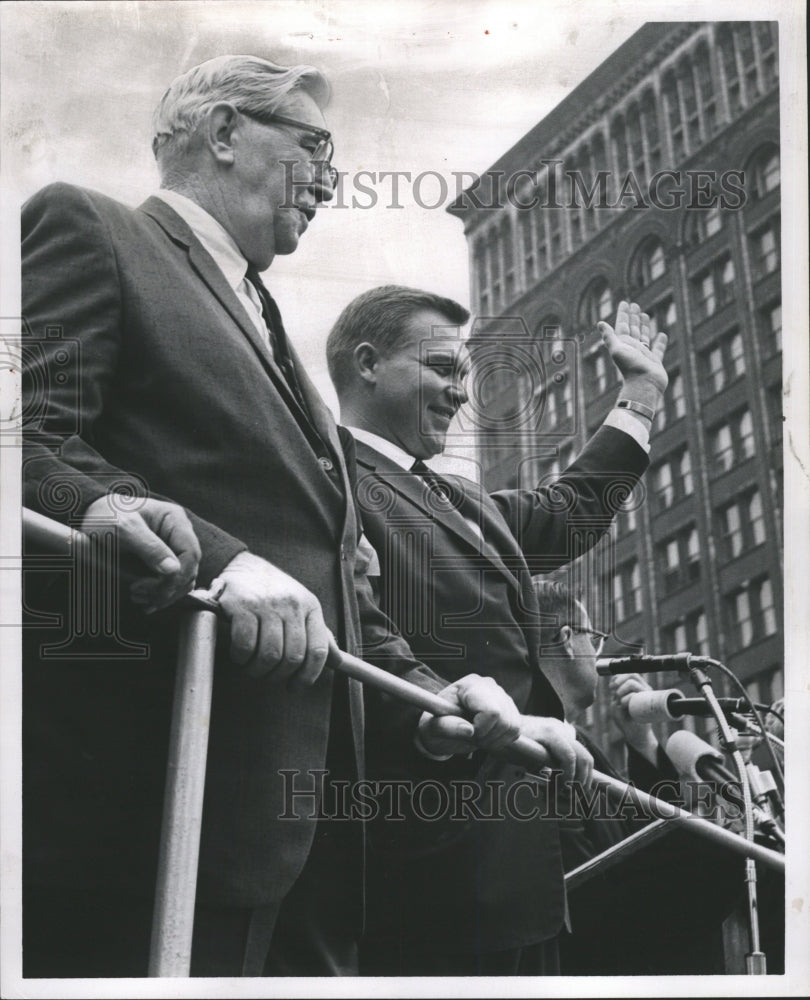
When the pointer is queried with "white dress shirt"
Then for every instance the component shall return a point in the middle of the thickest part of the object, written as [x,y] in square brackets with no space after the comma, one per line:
[226,254]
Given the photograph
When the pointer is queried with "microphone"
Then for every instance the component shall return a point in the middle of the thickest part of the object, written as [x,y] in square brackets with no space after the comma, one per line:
[611,665]
[663,706]
[697,760]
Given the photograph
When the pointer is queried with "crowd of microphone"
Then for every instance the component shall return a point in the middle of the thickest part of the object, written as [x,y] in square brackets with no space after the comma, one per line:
[749,729]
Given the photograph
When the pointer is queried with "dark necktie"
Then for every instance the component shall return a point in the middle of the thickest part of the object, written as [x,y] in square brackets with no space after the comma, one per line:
[444,491]
[277,335]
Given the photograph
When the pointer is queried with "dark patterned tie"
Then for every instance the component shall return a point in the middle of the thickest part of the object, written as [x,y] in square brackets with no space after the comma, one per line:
[439,487]
[277,335]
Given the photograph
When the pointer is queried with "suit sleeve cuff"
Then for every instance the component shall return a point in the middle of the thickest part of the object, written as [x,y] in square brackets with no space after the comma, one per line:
[623,420]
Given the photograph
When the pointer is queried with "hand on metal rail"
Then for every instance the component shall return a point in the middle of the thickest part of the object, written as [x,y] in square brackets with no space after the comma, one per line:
[494,721]
[276,624]
[160,535]
[559,739]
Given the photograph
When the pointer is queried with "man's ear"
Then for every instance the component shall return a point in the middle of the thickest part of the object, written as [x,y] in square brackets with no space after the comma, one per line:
[221,121]
[366,360]
[566,637]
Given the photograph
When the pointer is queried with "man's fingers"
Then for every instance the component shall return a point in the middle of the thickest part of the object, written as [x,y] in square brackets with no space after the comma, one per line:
[176,530]
[634,320]
[446,734]
[584,766]
[562,752]
[137,537]
[622,319]
[658,346]
[493,731]
[317,638]
[244,636]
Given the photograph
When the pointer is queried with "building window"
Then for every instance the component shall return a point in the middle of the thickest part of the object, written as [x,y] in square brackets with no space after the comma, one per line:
[679,559]
[689,103]
[741,525]
[672,479]
[663,316]
[555,235]
[751,613]
[627,519]
[766,170]
[770,329]
[663,486]
[482,276]
[765,39]
[773,399]
[684,485]
[495,273]
[702,224]
[722,363]
[596,304]
[509,283]
[649,263]
[689,634]
[765,249]
[528,246]
[766,686]
[713,287]
[732,442]
[731,71]
[674,116]
[627,590]
[705,86]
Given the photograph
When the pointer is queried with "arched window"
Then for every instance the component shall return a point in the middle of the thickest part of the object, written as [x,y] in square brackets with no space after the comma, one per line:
[649,263]
[596,304]
[765,167]
[701,224]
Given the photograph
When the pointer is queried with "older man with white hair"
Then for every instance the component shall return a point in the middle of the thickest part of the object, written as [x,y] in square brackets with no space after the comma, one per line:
[176,384]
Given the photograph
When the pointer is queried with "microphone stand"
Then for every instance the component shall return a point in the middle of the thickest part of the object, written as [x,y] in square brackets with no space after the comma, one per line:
[755,961]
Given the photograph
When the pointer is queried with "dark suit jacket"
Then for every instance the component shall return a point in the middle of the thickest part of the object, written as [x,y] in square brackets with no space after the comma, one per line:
[465,607]
[145,372]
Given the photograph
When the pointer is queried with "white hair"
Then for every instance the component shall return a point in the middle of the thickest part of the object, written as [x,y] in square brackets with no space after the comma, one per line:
[249,83]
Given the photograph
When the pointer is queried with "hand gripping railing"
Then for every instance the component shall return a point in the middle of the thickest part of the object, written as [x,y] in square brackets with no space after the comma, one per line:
[175,894]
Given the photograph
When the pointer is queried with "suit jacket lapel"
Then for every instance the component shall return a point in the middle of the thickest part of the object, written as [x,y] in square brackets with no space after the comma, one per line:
[205,266]
[409,486]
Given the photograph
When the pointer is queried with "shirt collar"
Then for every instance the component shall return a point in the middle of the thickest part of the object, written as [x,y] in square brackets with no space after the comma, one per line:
[216,239]
[384,447]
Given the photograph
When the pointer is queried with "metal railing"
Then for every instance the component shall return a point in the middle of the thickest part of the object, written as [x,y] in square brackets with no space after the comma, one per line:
[175,893]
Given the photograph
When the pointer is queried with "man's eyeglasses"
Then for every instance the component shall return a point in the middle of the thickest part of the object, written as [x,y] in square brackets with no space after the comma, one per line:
[597,638]
[320,156]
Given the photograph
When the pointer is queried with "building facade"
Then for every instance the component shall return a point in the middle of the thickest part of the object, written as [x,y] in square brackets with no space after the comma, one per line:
[656,180]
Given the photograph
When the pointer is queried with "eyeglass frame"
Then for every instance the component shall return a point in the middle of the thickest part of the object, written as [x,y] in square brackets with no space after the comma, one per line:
[324,135]
[597,648]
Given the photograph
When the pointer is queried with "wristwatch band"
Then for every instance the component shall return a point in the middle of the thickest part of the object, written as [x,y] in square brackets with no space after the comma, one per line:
[631,404]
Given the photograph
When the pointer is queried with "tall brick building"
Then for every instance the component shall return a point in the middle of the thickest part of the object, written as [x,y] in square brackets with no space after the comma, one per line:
[578,215]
